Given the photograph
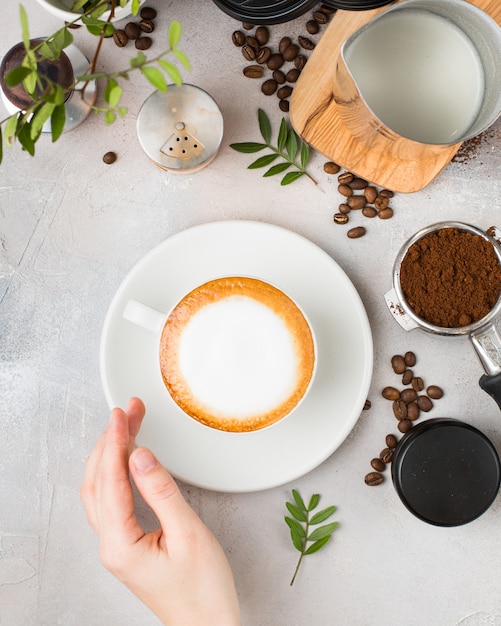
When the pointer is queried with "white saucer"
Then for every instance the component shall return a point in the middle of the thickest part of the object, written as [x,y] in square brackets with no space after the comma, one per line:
[240,462]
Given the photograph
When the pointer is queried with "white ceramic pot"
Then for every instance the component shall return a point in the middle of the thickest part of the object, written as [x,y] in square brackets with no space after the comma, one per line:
[62,9]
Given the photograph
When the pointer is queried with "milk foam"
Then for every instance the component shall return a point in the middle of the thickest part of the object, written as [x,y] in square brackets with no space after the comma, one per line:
[238,358]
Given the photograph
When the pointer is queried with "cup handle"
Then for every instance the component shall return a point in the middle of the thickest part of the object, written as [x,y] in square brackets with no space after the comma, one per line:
[144,316]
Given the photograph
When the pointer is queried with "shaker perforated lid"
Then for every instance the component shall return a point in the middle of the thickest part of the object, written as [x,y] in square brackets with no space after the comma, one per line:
[180,130]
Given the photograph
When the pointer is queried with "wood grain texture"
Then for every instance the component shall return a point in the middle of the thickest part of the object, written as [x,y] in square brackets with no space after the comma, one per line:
[315,117]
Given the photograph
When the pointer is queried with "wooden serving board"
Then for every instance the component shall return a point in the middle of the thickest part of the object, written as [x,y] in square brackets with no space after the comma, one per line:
[314,116]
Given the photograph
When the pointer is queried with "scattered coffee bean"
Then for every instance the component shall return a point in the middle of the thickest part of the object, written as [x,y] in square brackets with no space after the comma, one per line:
[331,168]
[252,42]
[263,55]
[327,9]
[434,392]
[356,233]
[410,359]
[413,411]
[407,377]
[385,214]
[249,53]
[370,194]
[398,364]
[292,75]
[132,30]
[284,92]
[386,193]
[345,178]
[391,441]
[399,409]
[300,61]
[404,425]
[312,26]
[386,455]
[408,395]
[279,77]
[247,26]
[253,71]
[305,43]
[378,465]
[391,393]
[424,403]
[238,38]
[341,218]
[143,43]
[358,183]
[374,478]
[284,105]
[356,202]
[285,42]
[269,87]
[109,158]
[148,13]
[291,52]
[320,17]
[369,211]
[147,26]
[275,61]
[381,203]
[120,38]
[418,383]
[367,405]
[345,190]
[262,35]
[344,208]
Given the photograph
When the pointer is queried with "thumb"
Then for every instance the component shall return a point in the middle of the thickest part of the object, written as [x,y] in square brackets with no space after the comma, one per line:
[161,493]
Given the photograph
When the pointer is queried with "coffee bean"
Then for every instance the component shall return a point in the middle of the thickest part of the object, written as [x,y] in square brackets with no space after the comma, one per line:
[147,26]
[306,43]
[253,71]
[344,208]
[391,393]
[300,61]
[386,193]
[109,158]
[252,42]
[424,403]
[284,92]
[374,478]
[386,455]
[331,168]
[370,194]
[263,55]
[291,52]
[356,202]
[345,190]
[320,17]
[356,233]
[367,405]
[284,105]
[398,364]
[327,9]
[399,409]
[238,38]
[369,211]
[417,383]
[358,183]
[269,87]
[404,425]
[391,441]
[132,30]
[381,203]
[275,61]
[434,392]
[279,77]
[143,43]
[341,218]
[413,411]
[247,26]
[410,359]
[407,377]
[345,178]
[385,214]
[262,35]
[120,38]
[248,52]
[378,465]
[312,27]
[148,13]
[408,395]
[292,76]
[285,42]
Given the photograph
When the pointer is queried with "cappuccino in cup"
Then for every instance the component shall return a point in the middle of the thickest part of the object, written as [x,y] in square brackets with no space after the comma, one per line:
[237,354]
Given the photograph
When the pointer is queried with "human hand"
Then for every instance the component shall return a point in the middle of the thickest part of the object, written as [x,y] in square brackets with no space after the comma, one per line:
[179,570]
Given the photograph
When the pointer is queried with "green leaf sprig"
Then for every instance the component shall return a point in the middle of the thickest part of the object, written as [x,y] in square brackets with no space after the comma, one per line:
[304,541]
[288,147]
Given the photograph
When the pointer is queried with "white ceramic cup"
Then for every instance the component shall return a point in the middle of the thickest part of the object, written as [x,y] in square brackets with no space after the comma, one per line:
[236,353]
[62,9]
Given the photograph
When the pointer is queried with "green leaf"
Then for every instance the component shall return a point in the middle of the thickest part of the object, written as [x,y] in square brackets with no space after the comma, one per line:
[138,60]
[291,145]
[155,77]
[11,128]
[57,121]
[135,7]
[290,178]
[17,75]
[262,161]
[26,140]
[39,118]
[296,512]
[172,72]
[1,145]
[175,31]
[122,111]
[24,26]
[299,500]
[78,4]
[112,93]
[183,59]
[109,117]
[62,39]
[323,531]
[314,500]
[278,169]
[292,523]
[282,135]
[321,516]
[264,125]
[248,147]
[305,155]
[315,547]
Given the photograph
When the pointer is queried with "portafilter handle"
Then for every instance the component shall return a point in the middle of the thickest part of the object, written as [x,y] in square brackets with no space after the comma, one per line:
[487,344]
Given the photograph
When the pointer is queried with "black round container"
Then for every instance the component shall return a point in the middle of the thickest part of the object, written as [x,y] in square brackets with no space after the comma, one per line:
[446,472]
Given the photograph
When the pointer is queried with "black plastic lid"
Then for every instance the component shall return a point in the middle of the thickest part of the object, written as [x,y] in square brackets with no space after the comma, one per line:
[260,12]
[446,472]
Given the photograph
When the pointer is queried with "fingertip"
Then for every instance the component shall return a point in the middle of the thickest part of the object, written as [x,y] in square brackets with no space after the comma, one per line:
[143,460]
